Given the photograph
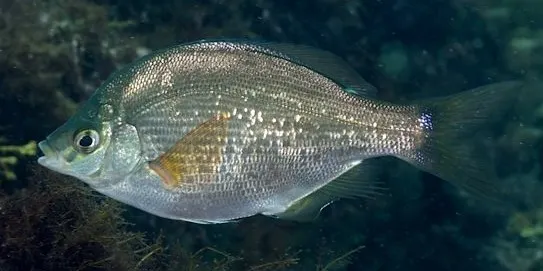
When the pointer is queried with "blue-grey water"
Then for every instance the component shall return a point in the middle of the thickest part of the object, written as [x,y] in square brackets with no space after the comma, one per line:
[55,53]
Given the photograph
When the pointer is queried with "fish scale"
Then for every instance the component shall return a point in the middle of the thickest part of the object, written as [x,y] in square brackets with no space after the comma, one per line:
[214,131]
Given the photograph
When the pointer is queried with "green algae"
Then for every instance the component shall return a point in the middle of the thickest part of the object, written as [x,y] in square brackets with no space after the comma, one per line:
[10,156]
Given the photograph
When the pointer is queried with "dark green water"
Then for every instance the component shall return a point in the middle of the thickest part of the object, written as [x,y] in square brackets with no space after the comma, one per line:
[55,53]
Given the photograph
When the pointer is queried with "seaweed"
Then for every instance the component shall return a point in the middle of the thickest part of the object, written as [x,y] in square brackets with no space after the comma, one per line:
[10,156]
[58,224]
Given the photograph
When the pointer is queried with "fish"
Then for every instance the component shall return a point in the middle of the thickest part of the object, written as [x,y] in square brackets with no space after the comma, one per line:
[214,131]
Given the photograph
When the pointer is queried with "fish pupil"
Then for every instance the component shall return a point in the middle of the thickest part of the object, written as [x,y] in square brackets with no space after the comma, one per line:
[86,141]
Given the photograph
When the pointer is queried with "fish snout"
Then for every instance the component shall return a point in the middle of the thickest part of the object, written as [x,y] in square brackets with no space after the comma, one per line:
[48,156]
[46,149]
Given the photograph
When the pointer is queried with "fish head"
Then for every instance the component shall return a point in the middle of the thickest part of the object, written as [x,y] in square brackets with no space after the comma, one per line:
[97,149]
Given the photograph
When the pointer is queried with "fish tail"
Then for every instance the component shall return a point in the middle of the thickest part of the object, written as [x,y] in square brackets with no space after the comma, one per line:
[448,123]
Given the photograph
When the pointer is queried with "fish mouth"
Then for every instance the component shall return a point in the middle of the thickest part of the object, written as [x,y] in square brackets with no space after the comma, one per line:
[50,157]
[46,149]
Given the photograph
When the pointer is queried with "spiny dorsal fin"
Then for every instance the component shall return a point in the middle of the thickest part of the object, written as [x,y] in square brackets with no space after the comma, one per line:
[358,182]
[325,63]
[321,61]
[198,153]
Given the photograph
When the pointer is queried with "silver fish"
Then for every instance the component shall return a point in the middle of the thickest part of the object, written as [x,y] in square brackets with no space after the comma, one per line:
[214,131]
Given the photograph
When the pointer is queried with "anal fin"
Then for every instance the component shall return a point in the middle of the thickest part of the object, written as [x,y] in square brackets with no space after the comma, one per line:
[358,182]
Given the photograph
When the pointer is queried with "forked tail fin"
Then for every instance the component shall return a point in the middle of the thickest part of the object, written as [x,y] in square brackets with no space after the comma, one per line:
[447,123]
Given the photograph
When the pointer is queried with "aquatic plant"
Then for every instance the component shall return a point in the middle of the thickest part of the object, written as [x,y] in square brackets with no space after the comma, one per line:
[10,155]
[518,247]
[58,224]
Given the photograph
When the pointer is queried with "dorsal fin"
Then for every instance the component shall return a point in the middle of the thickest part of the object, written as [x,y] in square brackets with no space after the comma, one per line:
[357,182]
[321,61]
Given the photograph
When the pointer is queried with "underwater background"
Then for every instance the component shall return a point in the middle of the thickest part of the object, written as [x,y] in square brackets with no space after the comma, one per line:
[55,53]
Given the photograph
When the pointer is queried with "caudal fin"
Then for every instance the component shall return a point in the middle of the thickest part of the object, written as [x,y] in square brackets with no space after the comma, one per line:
[448,124]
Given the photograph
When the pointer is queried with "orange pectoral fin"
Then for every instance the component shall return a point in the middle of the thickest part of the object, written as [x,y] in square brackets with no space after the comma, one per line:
[197,154]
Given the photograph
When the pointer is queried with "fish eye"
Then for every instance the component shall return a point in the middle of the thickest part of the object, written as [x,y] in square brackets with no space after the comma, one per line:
[86,141]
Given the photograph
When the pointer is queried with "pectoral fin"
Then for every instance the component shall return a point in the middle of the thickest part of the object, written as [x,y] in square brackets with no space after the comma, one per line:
[197,154]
